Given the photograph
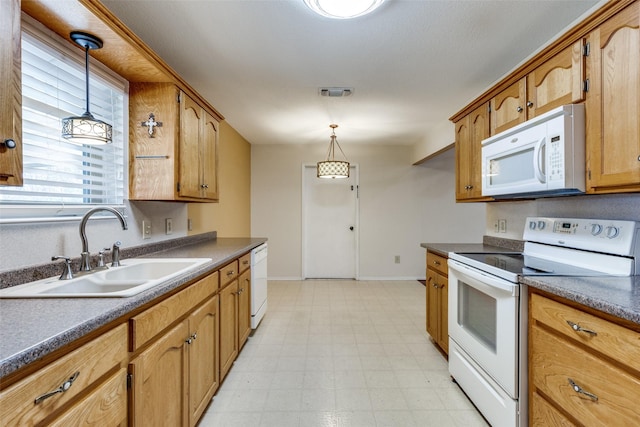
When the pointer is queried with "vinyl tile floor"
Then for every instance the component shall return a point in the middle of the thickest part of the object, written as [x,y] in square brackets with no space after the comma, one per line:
[341,353]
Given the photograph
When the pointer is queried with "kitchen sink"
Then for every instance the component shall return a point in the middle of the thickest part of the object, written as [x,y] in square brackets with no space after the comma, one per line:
[132,277]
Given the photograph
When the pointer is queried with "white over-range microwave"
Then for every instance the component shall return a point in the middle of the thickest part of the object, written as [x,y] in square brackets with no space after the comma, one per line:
[542,157]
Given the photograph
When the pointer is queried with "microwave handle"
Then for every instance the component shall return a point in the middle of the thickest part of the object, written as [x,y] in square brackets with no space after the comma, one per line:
[538,161]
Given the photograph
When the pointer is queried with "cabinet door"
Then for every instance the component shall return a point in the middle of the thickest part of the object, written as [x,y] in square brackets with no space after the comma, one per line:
[432,304]
[443,321]
[507,107]
[244,307]
[463,146]
[470,131]
[159,392]
[209,157]
[228,327]
[10,93]
[203,358]
[613,102]
[191,117]
[558,81]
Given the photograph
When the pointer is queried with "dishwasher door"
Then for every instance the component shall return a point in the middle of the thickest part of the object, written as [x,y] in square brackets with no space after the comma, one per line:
[258,284]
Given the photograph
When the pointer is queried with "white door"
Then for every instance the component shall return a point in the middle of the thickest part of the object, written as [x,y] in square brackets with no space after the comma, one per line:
[329,226]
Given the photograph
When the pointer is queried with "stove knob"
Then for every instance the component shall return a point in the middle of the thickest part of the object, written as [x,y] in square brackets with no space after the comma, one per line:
[612,232]
[532,225]
[541,225]
[596,229]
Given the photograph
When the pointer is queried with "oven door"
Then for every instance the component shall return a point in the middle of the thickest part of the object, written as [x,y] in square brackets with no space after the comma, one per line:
[483,321]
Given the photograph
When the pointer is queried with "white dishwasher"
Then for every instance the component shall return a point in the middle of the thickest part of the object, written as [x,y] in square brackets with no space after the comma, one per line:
[258,284]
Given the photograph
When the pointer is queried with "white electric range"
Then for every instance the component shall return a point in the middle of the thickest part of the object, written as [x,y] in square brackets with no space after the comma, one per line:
[488,307]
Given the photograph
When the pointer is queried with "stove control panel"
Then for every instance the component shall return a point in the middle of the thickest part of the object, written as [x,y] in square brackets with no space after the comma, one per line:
[600,235]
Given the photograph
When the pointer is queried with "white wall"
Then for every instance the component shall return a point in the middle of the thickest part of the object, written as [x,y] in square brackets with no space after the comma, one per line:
[23,245]
[401,206]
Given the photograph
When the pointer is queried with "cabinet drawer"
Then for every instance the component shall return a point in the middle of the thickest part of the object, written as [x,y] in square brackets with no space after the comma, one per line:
[91,361]
[228,273]
[555,361]
[543,414]
[612,340]
[437,262]
[151,322]
[244,262]
[105,406]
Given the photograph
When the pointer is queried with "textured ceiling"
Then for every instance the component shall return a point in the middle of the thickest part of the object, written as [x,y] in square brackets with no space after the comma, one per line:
[412,64]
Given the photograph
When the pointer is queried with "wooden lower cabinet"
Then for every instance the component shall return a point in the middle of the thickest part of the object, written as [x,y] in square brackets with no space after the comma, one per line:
[159,381]
[582,368]
[176,374]
[89,399]
[244,307]
[204,377]
[228,327]
[438,300]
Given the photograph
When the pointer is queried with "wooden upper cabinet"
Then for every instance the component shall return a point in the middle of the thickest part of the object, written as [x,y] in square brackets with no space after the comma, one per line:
[508,107]
[558,81]
[10,94]
[470,131]
[177,160]
[613,104]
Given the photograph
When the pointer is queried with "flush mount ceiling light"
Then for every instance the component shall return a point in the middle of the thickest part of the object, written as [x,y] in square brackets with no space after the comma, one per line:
[332,168]
[343,9]
[86,129]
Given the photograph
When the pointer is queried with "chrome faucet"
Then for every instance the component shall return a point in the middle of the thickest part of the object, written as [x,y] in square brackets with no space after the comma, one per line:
[85,255]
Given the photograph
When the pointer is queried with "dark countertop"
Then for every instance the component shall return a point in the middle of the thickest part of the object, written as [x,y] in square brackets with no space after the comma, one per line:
[618,296]
[444,249]
[31,328]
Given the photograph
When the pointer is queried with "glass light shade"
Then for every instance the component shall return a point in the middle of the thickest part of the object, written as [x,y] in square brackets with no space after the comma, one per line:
[86,130]
[343,9]
[333,169]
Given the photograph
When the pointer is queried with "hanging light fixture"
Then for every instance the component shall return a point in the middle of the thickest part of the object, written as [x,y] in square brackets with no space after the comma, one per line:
[86,129]
[332,168]
[342,9]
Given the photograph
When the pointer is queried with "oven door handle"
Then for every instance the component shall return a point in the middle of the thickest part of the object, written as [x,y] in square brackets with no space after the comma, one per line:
[484,282]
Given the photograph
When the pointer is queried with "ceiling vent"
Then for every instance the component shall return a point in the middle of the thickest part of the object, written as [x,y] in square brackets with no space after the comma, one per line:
[335,91]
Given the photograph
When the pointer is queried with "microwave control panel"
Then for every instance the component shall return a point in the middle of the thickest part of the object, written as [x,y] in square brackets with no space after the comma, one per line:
[555,166]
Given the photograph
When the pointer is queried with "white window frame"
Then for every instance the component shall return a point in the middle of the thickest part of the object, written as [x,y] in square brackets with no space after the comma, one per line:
[24,213]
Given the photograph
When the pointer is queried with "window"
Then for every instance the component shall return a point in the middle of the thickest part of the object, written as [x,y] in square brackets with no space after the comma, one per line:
[56,172]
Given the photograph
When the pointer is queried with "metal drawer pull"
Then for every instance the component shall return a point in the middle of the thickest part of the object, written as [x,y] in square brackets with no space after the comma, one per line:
[230,273]
[579,328]
[436,262]
[64,387]
[580,390]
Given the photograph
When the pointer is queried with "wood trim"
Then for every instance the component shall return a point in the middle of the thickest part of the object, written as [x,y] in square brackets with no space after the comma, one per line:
[123,52]
[580,30]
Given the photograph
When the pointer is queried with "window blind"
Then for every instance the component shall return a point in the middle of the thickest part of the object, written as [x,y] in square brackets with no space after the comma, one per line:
[57,172]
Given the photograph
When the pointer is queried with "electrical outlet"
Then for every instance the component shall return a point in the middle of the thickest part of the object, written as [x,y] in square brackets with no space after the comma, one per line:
[397,259]
[502,225]
[168,226]
[496,226]
[146,229]
[189,224]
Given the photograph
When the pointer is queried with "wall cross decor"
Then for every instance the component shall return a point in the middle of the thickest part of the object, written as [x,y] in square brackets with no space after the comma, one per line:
[151,124]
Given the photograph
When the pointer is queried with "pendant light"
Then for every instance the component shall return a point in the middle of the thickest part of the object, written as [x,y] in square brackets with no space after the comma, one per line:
[86,129]
[343,9]
[332,168]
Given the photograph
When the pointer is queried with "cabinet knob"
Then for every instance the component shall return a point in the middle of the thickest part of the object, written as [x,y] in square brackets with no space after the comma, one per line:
[519,109]
[230,273]
[9,143]
[529,104]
